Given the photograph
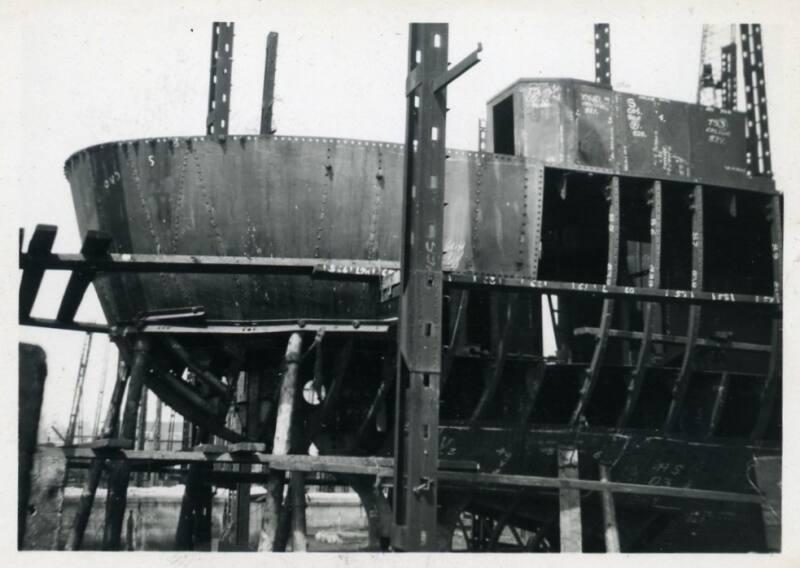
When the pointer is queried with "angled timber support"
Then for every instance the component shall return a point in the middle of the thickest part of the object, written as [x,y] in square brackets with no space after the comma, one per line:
[607,310]
[687,364]
[39,248]
[95,245]
[388,377]
[119,470]
[419,333]
[110,430]
[644,354]
[458,329]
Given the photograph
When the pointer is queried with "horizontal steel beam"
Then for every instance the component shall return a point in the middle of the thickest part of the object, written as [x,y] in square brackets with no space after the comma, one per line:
[203,264]
[678,339]
[470,279]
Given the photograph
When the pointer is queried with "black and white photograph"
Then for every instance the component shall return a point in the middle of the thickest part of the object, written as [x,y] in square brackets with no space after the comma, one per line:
[366,278]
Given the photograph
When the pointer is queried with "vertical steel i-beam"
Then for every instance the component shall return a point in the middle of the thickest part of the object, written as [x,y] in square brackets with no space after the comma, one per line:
[420,322]
[219,86]
[602,55]
[728,76]
[759,161]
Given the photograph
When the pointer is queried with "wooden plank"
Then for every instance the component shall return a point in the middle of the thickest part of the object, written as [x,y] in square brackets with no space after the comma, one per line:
[268,96]
[687,364]
[607,313]
[39,247]
[570,527]
[95,244]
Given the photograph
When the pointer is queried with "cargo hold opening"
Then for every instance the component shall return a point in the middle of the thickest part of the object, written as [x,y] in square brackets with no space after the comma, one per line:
[503,126]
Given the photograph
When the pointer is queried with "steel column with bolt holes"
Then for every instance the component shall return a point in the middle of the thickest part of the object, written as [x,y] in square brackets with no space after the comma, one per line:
[759,161]
[602,55]
[420,322]
[219,86]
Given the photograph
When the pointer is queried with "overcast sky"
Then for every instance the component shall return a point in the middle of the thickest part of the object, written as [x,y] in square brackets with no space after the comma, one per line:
[83,73]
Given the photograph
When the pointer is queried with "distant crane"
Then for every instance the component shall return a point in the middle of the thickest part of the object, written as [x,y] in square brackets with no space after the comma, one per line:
[69,437]
[99,404]
[716,84]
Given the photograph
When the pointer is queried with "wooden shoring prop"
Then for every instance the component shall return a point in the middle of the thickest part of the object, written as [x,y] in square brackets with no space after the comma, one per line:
[593,372]
[281,443]
[771,384]
[119,471]
[494,371]
[110,430]
[268,97]
[570,527]
[610,528]
[251,393]
[644,355]
[194,520]
[388,374]
[298,506]
[687,364]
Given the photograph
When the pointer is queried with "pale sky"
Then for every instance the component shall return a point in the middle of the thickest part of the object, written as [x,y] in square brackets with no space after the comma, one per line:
[83,73]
